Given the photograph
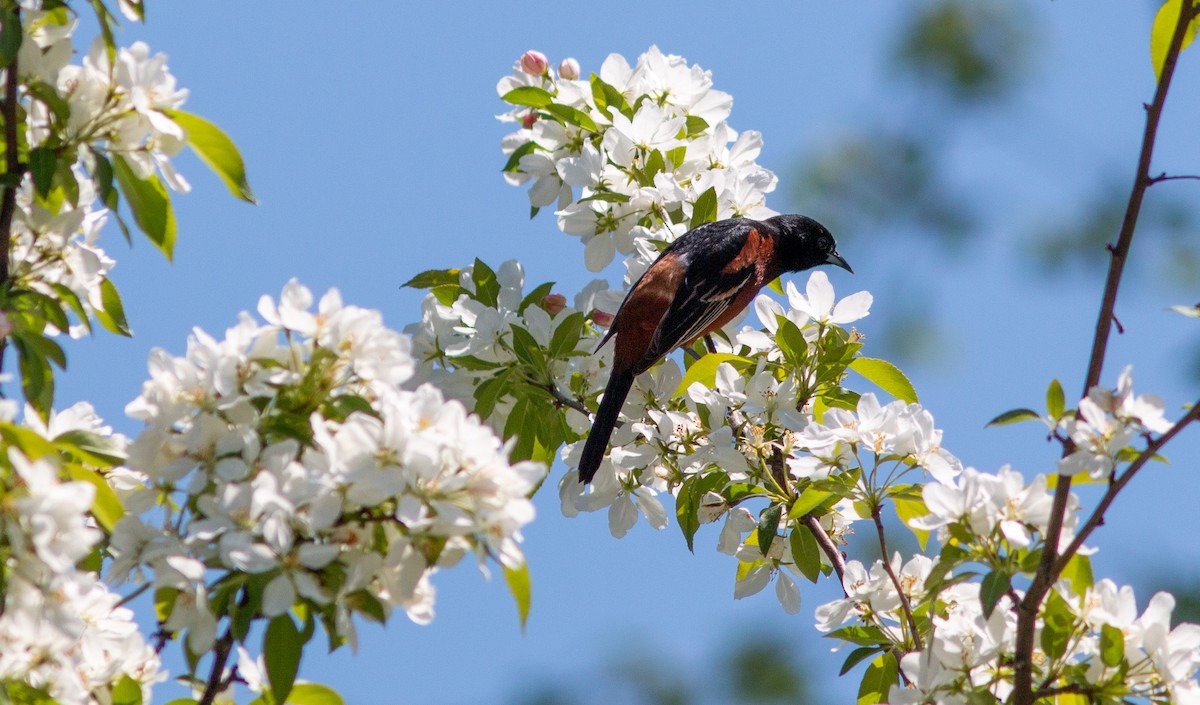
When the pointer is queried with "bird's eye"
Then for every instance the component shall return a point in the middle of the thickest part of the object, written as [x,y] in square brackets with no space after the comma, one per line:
[824,243]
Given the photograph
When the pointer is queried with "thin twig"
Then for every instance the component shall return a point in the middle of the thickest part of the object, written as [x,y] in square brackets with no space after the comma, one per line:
[566,401]
[1097,517]
[215,682]
[828,547]
[887,566]
[1175,177]
[1027,610]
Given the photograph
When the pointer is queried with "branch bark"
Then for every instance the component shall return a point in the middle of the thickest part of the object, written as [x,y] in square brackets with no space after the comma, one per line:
[1051,558]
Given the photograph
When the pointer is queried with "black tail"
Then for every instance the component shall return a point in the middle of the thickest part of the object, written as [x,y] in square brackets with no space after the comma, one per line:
[602,426]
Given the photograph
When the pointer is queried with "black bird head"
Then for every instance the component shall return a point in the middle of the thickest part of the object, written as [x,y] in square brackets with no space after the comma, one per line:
[805,243]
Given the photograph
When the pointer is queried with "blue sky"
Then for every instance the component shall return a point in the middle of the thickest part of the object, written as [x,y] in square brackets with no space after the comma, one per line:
[369,136]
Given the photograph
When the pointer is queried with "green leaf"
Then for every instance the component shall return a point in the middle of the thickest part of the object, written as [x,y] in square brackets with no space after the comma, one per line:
[526,348]
[106,507]
[860,634]
[607,98]
[857,656]
[572,116]
[676,156]
[127,691]
[42,163]
[887,376]
[687,504]
[1164,29]
[810,499]
[996,585]
[566,335]
[489,392]
[150,203]
[112,316]
[791,341]
[37,379]
[705,208]
[1057,623]
[10,38]
[514,160]
[704,370]
[768,526]
[909,508]
[881,675]
[314,694]
[521,588]
[216,150]
[1079,572]
[806,552]
[1055,399]
[1112,645]
[487,287]
[282,648]
[1013,416]
[531,96]
[433,277]
[695,125]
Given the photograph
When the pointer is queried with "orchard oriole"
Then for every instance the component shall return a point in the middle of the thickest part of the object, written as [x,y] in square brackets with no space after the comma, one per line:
[700,282]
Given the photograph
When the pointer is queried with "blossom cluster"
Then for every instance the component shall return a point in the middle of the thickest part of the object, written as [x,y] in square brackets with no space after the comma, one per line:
[292,449]
[1108,420]
[626,155]
[62,631]
[106,118]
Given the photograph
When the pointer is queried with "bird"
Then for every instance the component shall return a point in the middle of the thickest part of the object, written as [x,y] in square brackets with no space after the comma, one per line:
[700,282]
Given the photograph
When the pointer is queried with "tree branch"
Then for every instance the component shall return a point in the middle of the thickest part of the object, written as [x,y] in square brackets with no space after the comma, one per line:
[1028,608]
[828,547]
[1097,517]
[13,170]
[887,566]
[215,682]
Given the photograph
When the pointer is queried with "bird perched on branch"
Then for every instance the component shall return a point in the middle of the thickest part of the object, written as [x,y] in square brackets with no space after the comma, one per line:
[700,282]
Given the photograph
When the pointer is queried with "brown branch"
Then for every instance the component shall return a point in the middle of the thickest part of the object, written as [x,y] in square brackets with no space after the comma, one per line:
[216,683]
[1027,610]
[1097,517]
[1179,177]
[13,170]
[887,566]
[828,547]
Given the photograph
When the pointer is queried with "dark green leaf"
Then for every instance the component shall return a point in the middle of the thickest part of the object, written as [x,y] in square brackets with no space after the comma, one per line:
[768,526]
[487,287]
[687,505]
[791,341]
[1014,416]
[281,652]
[806,552]
[150,203]
[996,585]
[526,348]
[217,151]
[705,208]
[37,379]
[695,125]
[608,98]
[489,392]
[857,656]
[531,96]
[48,95]
[514,160]
[861,635]
[566,335]
[10,37]
[433,277]
[42,163]
[887,376]
[536,297]
[112,316]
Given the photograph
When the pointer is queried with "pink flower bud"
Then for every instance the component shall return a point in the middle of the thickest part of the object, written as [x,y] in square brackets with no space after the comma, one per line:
[528,120]
[534,63]
[568,69]
[602,319]
[553,303]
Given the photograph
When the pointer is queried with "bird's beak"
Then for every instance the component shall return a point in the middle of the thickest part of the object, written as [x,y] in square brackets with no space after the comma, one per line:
[835,258]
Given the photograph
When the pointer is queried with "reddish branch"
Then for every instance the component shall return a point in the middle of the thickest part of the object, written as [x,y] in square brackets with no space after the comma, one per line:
[1050,564]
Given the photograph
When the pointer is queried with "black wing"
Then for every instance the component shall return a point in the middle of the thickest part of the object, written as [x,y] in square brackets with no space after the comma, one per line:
[709,287]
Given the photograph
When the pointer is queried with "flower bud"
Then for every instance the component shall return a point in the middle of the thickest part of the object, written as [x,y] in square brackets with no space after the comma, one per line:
[568,69]
[602,319]
[554,303]
[528,120]
[534,63]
